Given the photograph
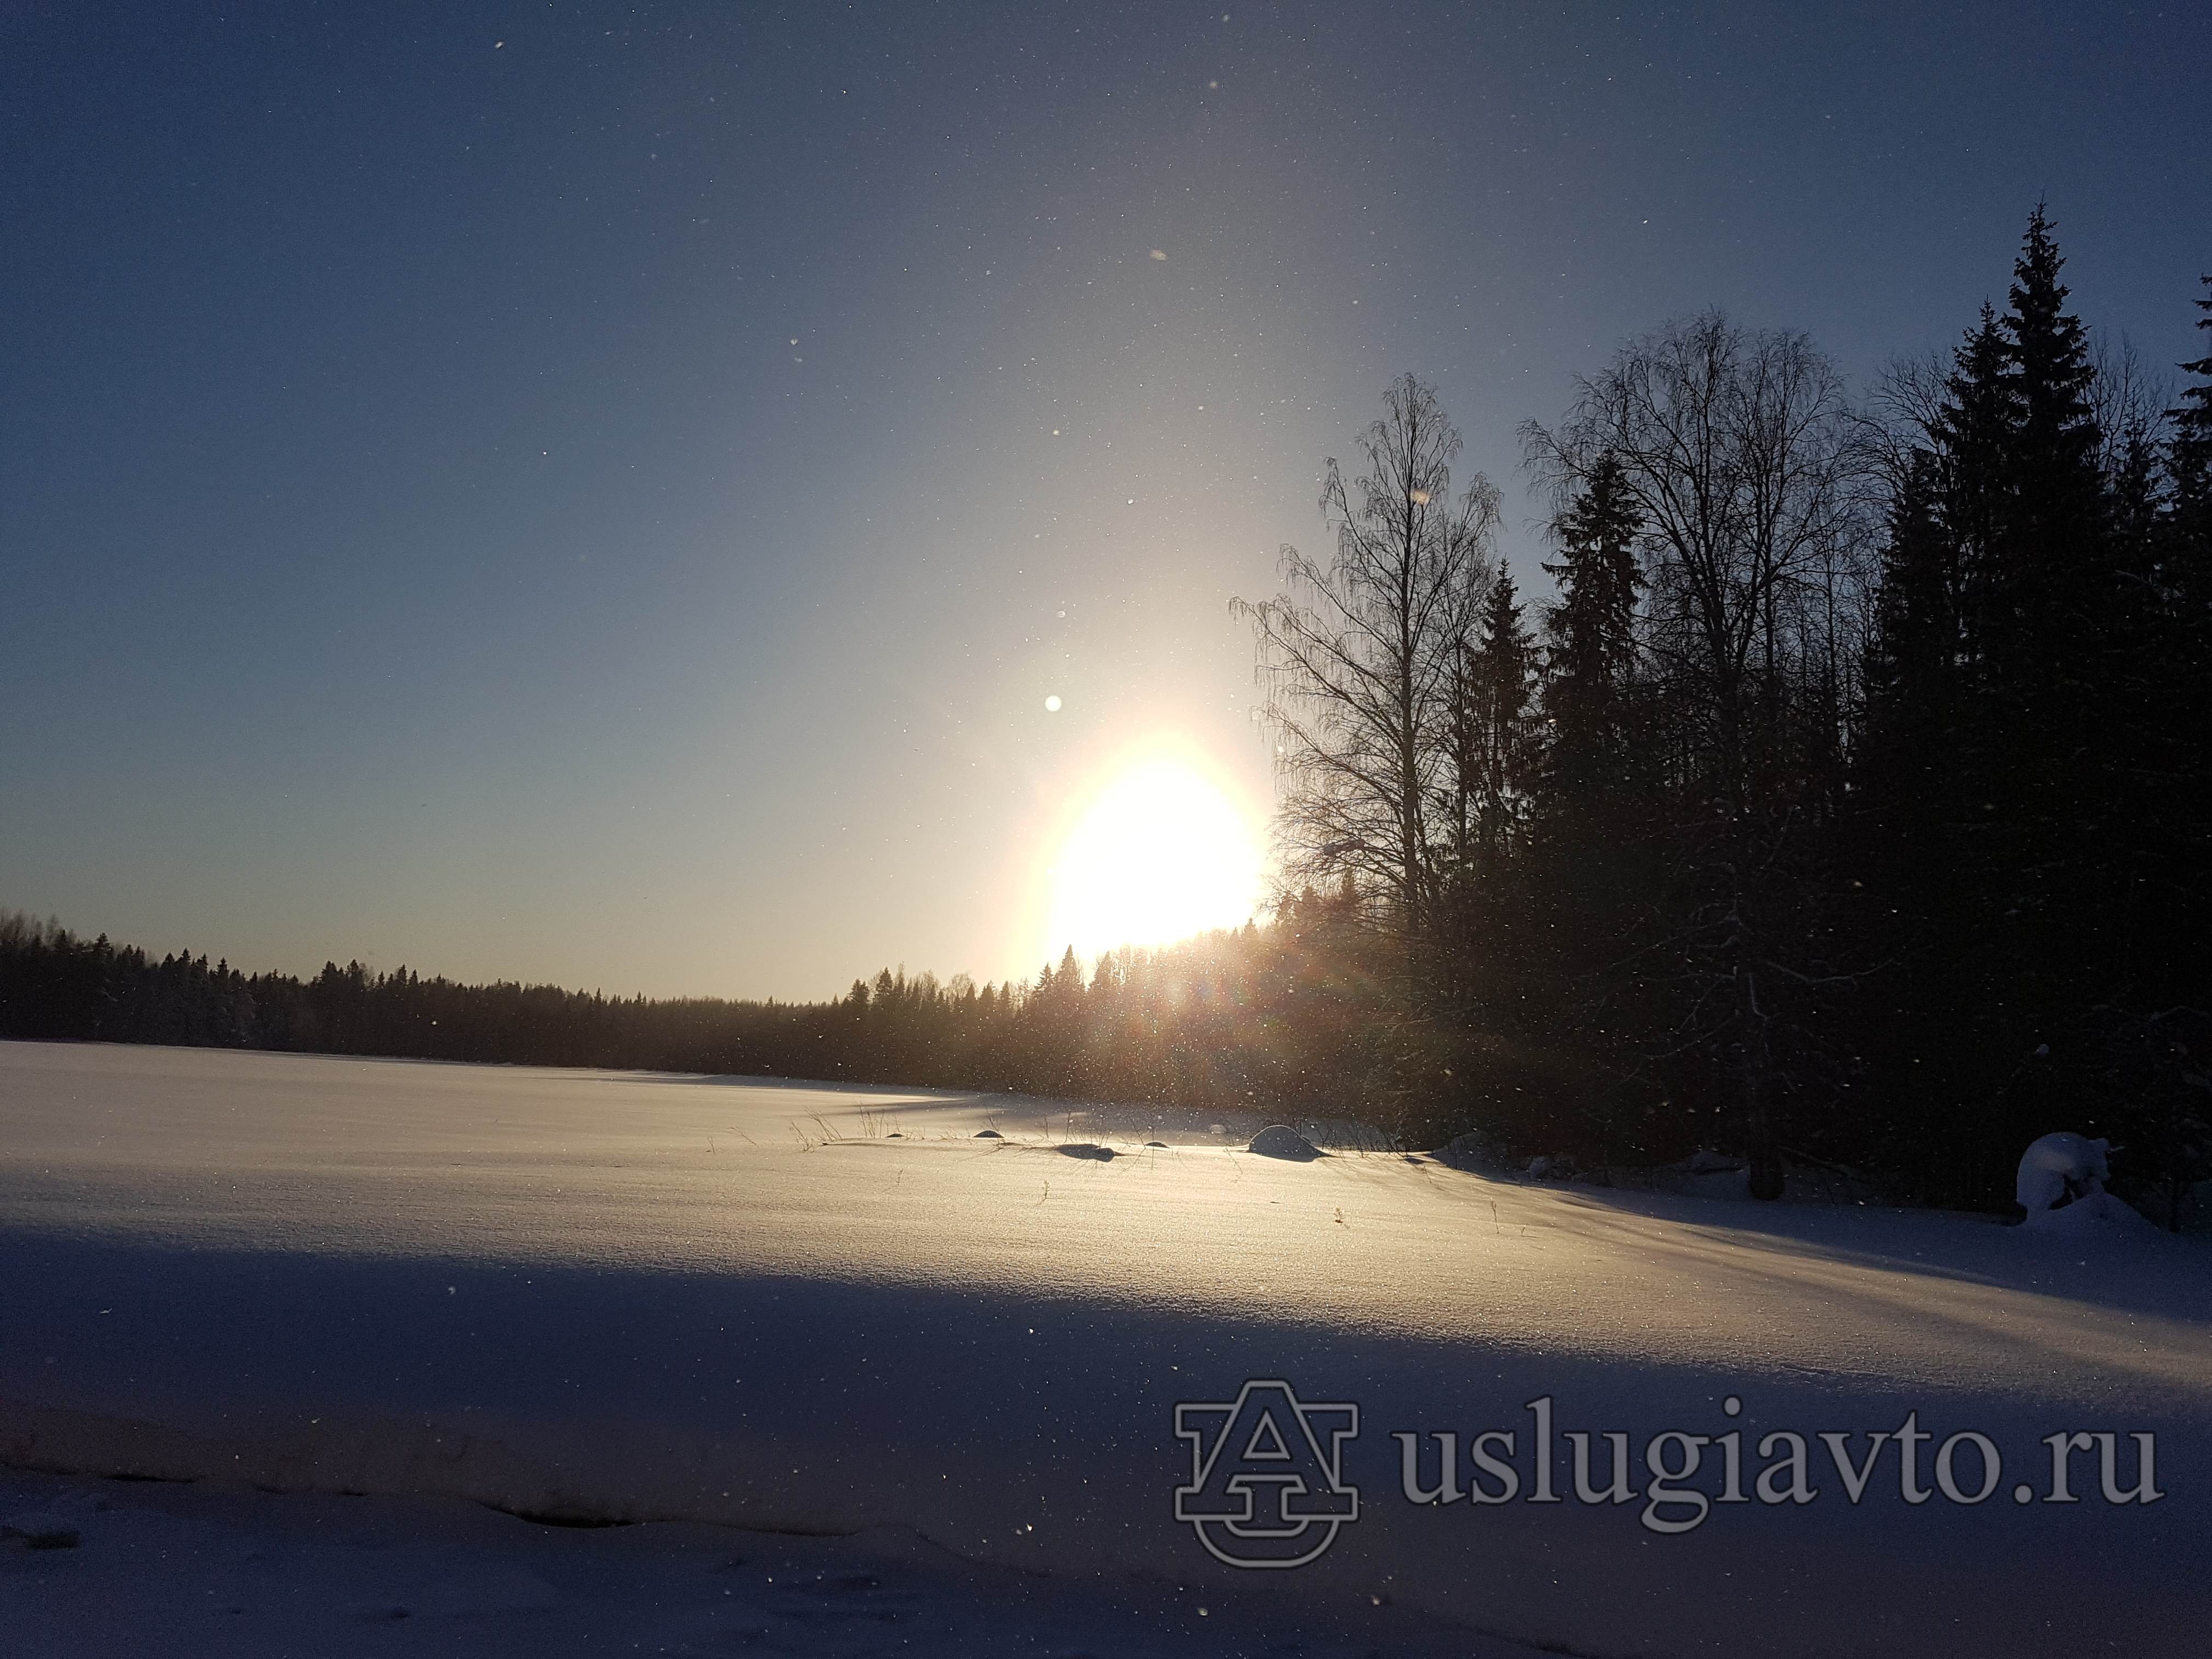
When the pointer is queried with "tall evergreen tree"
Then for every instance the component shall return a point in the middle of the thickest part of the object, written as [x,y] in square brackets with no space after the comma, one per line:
[2050,586]
[2027,787]
[2056,677]
[1914,664]
[1504,684]
[1908,757]
[1596,850]
[1971,437]
[2022,500]
[1911,780]
[1591,646]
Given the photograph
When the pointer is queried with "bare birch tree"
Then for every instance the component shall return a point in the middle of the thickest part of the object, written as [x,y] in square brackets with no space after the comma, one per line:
[1356,655]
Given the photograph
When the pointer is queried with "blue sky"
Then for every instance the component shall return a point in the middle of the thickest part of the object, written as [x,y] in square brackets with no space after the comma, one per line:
[600,494]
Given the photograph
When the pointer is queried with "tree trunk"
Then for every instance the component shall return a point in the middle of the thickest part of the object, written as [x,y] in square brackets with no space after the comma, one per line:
[1759,1147]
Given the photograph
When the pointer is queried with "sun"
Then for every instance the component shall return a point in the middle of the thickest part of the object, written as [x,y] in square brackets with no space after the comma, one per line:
[1160,853]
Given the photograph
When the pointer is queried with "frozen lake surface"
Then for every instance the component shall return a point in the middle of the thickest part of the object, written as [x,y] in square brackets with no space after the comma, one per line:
[724,1302]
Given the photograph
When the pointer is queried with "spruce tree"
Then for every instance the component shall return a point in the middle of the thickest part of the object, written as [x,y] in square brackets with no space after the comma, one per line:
[2020,708]
[1590,649]
[2025,506]
[1922,1037]
[2062,673]
[1916,643]
[1487,744]
[1505,686]
[1596,845]
[1907,764]
[2052,581]
[1972,436]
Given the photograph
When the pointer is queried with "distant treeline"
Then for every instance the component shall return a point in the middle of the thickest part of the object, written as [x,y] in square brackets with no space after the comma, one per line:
[1851,803]
[1264,1016]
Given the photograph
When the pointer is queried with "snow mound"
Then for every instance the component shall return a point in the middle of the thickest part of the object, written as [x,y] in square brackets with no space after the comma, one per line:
[1280,1140]
[2095,1215]
[2059,1167]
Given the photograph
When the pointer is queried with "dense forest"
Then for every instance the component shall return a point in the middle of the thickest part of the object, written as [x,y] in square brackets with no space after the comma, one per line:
[1849,803]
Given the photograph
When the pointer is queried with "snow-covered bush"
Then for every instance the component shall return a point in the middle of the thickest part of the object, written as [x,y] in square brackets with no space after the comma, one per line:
[2059,1169]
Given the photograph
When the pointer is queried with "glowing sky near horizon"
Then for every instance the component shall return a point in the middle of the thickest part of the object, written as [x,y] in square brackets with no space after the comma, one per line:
[606,495]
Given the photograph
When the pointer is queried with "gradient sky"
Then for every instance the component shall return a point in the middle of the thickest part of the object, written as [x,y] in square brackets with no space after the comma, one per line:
[609,507]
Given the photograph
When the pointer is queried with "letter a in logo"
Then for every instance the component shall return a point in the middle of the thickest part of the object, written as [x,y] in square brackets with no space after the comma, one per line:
[1266,1475]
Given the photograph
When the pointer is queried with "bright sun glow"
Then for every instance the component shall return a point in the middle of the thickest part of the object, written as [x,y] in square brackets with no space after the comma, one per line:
[1161,853]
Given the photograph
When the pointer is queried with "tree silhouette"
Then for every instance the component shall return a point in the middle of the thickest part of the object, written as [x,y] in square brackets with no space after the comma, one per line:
[1356,656]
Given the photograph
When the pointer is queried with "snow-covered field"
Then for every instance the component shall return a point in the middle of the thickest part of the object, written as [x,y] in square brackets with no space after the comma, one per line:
[831,1332]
